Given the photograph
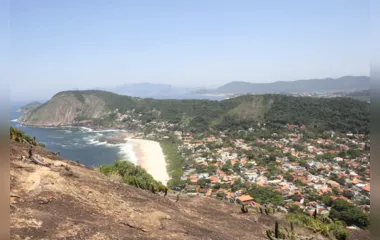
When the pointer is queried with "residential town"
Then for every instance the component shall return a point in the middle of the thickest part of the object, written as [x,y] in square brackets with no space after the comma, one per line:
[291,169]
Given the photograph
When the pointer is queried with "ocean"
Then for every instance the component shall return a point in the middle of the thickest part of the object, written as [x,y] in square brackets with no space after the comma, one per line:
[78,143]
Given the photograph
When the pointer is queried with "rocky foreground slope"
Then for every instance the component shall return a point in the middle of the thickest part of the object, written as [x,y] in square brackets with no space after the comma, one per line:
[66,200]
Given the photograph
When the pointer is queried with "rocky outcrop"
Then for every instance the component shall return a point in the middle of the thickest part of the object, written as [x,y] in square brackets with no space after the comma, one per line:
[66,108]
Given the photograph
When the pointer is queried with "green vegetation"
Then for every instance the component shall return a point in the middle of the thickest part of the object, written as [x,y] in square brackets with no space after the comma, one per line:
[132,175]
[173,160]
[265,195]
[323,225]
[81,118]
[41,145]
[276,234]
[349,213]
[30,106]
[338,114]
[19,136]
[77,94]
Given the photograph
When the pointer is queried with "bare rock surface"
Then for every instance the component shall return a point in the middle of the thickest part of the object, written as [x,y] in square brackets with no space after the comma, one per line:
[66,200]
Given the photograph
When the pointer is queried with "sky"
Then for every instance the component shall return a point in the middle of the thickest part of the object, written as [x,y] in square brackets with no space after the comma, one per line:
[62,45]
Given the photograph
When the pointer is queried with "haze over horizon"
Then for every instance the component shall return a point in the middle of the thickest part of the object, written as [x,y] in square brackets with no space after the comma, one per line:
[61,45]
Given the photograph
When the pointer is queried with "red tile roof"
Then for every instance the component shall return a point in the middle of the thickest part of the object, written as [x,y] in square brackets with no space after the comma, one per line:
[245,198]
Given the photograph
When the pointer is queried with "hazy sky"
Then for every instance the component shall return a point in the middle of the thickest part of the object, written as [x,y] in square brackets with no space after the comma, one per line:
[60,45]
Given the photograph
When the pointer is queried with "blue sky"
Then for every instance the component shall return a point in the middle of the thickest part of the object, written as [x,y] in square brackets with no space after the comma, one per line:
[60,45]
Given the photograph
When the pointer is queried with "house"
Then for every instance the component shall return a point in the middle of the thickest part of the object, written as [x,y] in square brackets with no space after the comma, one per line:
[194,179]
[214,179]
[203,191]
[233,161]
[359,186]
[230,196]
[333,184]
[204,175]
[221,173]
[244,199]
[367,188]
[324,190]
[254,204]
[340,197]
[356,181]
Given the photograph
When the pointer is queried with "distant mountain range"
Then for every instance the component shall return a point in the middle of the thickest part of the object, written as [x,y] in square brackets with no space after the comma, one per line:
[342,84]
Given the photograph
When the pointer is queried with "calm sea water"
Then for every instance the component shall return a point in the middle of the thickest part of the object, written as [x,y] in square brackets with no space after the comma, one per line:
[78,144]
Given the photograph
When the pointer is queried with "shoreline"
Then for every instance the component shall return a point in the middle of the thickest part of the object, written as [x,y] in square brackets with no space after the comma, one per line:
[150,156]
[87,126]
[78,124]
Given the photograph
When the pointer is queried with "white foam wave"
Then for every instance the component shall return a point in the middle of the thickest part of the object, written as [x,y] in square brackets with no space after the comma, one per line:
[64,146]
[94,139]
[96,142]
[14,120]
[44,127]
[107,130]
[85,129]
[127,153]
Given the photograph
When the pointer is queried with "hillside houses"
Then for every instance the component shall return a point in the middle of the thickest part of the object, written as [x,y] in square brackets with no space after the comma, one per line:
[288,162]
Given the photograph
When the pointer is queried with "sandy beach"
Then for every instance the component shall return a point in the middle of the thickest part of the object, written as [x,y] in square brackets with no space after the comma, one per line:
[151,158]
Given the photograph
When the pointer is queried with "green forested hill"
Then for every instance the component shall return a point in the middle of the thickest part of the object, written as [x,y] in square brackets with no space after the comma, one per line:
[339,114]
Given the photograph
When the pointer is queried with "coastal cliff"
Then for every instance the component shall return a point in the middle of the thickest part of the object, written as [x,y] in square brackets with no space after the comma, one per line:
[66,108]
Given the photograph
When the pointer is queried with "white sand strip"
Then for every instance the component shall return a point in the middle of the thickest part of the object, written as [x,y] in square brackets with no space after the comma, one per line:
[152,159]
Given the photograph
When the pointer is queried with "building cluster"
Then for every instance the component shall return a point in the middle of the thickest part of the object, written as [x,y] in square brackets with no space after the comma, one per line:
[301,168]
